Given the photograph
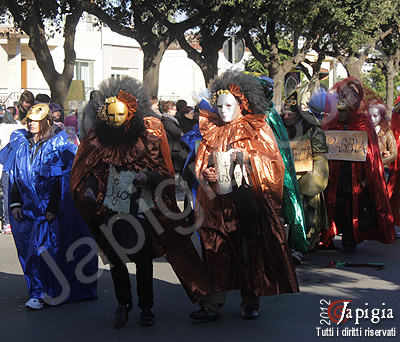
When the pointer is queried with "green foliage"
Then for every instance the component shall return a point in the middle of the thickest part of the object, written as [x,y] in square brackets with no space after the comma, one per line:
[375,80]
[254,65]
[49,13]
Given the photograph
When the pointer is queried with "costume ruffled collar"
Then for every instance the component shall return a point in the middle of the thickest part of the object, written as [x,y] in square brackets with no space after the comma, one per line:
[216,133]
[121,156]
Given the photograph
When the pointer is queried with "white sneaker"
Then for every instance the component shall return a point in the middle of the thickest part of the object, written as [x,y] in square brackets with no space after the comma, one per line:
[34,303]
[7,229]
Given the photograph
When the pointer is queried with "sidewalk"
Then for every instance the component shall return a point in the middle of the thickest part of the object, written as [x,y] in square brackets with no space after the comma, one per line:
[284,318]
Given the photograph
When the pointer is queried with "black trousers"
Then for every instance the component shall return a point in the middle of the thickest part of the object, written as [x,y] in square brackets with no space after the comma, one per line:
[144,280]
[144,273]
[344,205]
[344,219]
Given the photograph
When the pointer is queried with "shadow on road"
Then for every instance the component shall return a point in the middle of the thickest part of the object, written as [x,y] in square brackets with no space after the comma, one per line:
[284,318]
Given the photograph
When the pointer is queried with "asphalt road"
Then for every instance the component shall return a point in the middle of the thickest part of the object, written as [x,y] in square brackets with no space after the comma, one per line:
[295,317]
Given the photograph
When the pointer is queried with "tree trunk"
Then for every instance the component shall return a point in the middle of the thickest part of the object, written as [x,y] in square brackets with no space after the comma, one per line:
[210,68]
[353,65]
[207,59]
[389,77]
[315,80]
[58,83]
[277,72]
[279,79]
[59,89]
[152,56]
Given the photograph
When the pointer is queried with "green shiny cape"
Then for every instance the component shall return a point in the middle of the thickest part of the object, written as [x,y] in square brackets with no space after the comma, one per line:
[292,204]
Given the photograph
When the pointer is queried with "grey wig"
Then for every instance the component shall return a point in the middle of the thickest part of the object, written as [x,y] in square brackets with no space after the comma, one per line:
[249,85]
[111,87]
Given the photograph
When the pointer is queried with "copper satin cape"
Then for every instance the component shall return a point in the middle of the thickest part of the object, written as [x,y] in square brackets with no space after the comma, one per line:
[372,171]
[269,270]
[151,151]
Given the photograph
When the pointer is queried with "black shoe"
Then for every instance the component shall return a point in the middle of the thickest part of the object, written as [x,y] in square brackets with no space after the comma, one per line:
[121,316]
[349,249]
[297,257]
[146,318]
[249,312]
[204,315]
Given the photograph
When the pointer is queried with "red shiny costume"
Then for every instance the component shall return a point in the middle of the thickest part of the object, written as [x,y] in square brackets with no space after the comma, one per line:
[370,172]
[394,182]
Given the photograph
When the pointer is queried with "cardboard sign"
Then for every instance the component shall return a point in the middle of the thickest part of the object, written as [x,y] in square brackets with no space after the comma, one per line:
[76,94]
[228,170]
[347,145]
[302,154]
[119,190]
[223,168]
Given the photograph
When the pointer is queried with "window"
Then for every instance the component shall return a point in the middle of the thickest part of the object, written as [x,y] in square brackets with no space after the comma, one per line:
[116,76]
[84,71]
[117,72]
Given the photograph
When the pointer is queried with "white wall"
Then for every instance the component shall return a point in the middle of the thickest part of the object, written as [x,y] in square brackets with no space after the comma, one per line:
[125,59]
[224,64]
[35,80]
[14,63]
[5,72]
[180,77]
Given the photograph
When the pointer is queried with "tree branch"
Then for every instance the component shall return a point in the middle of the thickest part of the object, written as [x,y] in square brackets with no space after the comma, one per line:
[93,9]
[252,47]
[71,22]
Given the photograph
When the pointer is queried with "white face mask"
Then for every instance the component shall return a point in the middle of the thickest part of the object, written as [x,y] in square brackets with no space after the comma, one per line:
[375,116]
[228,108]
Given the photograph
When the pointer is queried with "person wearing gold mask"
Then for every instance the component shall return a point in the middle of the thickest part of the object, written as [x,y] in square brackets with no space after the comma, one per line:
[123,184]
[45,223]
[240,170]
[305,127]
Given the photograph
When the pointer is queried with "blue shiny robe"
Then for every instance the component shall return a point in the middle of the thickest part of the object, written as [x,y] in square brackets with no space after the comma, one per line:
[53,255]
[192,140]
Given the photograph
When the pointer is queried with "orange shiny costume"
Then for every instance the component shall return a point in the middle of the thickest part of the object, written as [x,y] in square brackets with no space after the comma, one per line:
[268,269]
[150,152]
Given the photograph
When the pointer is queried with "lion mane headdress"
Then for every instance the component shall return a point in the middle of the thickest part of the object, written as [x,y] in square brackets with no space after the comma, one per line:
[246,89]
[133,95]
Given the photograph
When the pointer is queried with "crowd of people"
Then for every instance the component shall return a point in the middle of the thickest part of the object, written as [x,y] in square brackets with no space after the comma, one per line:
[252,200]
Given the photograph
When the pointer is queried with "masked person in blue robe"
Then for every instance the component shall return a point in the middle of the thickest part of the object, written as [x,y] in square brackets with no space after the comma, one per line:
[57,254]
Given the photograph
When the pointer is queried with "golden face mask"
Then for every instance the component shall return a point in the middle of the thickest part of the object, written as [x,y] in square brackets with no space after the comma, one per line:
[38,112]
[290,102]
[114,112]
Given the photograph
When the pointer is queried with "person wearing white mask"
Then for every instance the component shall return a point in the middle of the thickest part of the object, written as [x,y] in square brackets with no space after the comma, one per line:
[386,139]
[241,171]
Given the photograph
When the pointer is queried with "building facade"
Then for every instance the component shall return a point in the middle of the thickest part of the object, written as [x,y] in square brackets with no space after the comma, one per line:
[100,53]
